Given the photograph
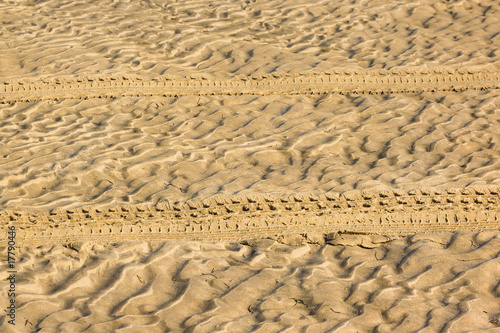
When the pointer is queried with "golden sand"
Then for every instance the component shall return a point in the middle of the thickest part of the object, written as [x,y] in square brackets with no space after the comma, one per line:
[256,166]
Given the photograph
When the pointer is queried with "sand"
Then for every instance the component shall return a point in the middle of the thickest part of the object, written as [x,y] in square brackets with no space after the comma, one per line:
[225,39]
[253,166]
[432,282]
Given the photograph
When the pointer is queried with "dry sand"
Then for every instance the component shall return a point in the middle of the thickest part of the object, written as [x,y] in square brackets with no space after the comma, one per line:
[427,283]
[50,39]
[264,166]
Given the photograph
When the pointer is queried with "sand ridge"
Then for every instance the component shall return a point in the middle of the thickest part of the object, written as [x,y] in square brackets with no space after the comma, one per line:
[128,151]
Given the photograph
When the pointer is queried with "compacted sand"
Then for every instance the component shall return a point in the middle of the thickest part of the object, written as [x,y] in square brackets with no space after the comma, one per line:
[263,166]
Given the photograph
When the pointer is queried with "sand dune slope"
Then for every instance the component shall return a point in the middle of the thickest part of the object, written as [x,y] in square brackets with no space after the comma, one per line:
[436,282]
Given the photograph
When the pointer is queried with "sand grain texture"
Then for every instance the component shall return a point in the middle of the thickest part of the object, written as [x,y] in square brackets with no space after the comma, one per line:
[435,282]
[150,150]
[226,39]
[340,82]
[256,166]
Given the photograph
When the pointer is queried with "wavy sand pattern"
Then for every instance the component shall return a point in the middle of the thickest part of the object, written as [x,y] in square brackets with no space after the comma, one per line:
[231,38]
[149,150]
[255,166]
[354,283]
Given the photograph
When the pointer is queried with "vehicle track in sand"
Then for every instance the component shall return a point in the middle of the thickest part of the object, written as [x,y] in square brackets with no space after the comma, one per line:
[300,218]
[339,82]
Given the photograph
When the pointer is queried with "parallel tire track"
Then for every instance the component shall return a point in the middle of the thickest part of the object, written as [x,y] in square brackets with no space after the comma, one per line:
[338,82]
[310,217]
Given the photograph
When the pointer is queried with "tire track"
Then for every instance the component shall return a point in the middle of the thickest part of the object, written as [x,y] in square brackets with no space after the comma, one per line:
[335,82]
[303,218]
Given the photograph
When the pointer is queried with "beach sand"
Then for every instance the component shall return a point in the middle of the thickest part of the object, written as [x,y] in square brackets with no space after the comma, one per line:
[429,282]
[256,166]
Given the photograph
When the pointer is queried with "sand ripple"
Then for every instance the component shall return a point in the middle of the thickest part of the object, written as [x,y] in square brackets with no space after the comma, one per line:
[150,150]
[300,170]
[228,38]
[435,282]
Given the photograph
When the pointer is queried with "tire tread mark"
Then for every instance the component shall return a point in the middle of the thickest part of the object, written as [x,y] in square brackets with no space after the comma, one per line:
[337,82]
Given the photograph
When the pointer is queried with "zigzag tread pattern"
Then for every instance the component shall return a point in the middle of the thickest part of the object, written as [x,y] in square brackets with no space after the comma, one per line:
[335,82]
[237,218]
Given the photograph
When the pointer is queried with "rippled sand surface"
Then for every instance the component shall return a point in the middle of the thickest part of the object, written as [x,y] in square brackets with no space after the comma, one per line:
[148,150]
[231,38]
[255,166]
[434,282]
